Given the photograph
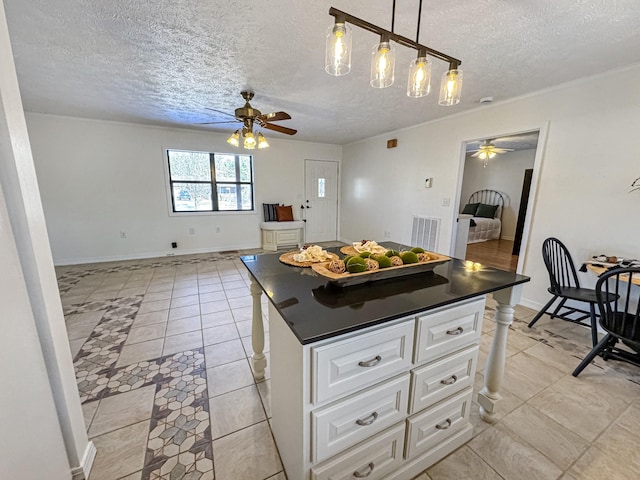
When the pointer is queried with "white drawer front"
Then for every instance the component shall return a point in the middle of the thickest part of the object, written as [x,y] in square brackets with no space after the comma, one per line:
[288,236]
[436,381]
[372,459]
[348,365]
[349,421]
[448,330]
[427,429]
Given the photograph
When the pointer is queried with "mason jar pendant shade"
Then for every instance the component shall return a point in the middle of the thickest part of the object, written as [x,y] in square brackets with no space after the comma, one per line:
[450,88]
[419,84]
[383,59]
[337,60]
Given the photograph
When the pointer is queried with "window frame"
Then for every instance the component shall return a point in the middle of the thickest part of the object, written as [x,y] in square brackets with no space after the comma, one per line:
[169,183]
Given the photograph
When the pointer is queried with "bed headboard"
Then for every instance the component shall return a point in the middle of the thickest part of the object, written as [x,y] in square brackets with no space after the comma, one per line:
[489,197]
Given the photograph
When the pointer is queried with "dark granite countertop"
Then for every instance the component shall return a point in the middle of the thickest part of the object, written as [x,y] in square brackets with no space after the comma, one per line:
[315,309]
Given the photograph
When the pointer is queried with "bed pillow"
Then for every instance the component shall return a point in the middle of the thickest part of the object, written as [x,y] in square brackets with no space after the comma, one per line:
[269,210]
[486,211]
[285,214]
[470,209]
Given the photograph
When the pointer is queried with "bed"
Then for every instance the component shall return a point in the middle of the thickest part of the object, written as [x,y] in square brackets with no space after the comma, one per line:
[486,207]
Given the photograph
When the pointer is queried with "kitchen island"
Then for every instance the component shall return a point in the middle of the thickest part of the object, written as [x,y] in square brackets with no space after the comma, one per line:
[375,380]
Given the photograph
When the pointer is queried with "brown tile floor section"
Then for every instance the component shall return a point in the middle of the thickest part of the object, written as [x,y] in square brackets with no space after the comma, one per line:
[550,425]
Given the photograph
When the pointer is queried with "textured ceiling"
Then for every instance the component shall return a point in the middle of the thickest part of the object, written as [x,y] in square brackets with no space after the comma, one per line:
[163,62]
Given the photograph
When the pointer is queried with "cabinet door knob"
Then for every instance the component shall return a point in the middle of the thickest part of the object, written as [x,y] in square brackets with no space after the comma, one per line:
[368,420]
[370,363]
[444,427]
[449,381]
[457,331]
[370,467]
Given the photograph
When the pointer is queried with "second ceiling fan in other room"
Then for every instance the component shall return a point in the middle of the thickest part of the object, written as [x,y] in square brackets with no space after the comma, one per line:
[249,117]
[488,150]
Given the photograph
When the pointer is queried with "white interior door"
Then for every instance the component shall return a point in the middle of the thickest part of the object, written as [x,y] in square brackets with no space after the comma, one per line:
[321,200]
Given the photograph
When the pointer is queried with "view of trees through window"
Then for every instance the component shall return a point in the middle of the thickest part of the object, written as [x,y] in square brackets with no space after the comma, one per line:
[209,182]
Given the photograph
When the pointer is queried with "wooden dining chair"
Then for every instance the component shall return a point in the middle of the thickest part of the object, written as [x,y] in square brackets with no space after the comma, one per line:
[620,319]
[564,285]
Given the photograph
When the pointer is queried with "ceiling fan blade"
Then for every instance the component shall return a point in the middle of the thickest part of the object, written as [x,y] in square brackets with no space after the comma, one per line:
[278,128]
[220,111]
[213,123]
[275,116]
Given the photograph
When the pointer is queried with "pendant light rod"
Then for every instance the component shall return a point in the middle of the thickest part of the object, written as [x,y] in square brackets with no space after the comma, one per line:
[393,16]
[342,17]
[419,18]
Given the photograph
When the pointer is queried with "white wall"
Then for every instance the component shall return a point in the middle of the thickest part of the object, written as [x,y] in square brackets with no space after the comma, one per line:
[503,173]
[42,429]
[590,159]
[98,179]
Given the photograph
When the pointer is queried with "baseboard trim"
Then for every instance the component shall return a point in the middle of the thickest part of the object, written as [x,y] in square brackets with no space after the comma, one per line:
[141,256]
[82,472]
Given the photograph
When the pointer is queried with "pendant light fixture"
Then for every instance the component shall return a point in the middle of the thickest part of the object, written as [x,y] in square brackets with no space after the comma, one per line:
[419,84]
[450,87]
[383,63]
[338,58]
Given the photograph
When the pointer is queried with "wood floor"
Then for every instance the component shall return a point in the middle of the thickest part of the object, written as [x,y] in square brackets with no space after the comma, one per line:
[494,253]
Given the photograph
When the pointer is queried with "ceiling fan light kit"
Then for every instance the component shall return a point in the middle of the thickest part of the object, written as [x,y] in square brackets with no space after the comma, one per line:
[249,116]
[338,58]
[488,150]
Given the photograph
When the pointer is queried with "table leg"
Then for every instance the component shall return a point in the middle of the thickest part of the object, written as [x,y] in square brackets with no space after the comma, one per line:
[258,359]
[494,371]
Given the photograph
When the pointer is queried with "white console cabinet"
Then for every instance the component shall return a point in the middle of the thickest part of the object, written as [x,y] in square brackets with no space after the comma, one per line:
[384,402]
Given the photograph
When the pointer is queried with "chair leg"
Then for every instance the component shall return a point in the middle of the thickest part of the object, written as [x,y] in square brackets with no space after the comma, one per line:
[592,354]
[594,324]
[560,305]
[542,312]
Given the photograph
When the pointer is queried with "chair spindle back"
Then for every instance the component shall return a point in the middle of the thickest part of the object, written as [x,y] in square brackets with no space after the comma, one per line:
[557,259]
[619,318]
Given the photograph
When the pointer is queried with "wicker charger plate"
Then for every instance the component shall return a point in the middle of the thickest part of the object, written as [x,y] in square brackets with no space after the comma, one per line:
[287,258]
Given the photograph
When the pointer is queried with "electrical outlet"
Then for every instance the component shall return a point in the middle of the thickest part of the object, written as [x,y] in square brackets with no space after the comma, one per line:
[217,229]
[446,202]
[192,231]
[123,235]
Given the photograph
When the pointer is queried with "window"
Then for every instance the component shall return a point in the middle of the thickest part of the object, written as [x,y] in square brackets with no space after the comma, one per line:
[210,182]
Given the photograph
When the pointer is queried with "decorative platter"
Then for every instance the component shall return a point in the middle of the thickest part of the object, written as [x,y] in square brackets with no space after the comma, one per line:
[287,258]
[347,279]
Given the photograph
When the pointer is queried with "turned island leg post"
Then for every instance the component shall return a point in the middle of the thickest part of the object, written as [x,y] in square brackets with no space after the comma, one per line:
[494,371]
[258,359]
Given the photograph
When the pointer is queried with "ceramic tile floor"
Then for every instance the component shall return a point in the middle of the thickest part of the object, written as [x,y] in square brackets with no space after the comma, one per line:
[161,351]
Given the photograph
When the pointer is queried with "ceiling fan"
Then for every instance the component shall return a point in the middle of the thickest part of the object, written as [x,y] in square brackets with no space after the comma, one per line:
[488,150]
[249,117]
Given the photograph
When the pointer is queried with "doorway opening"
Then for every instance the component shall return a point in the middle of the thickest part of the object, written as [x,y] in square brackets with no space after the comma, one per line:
[498,176]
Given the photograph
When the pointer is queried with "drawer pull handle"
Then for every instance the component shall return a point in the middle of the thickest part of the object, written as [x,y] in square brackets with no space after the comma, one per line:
[441,427]
[368,421]
[457,331]
[449,381]
[372,362]
[357,474]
